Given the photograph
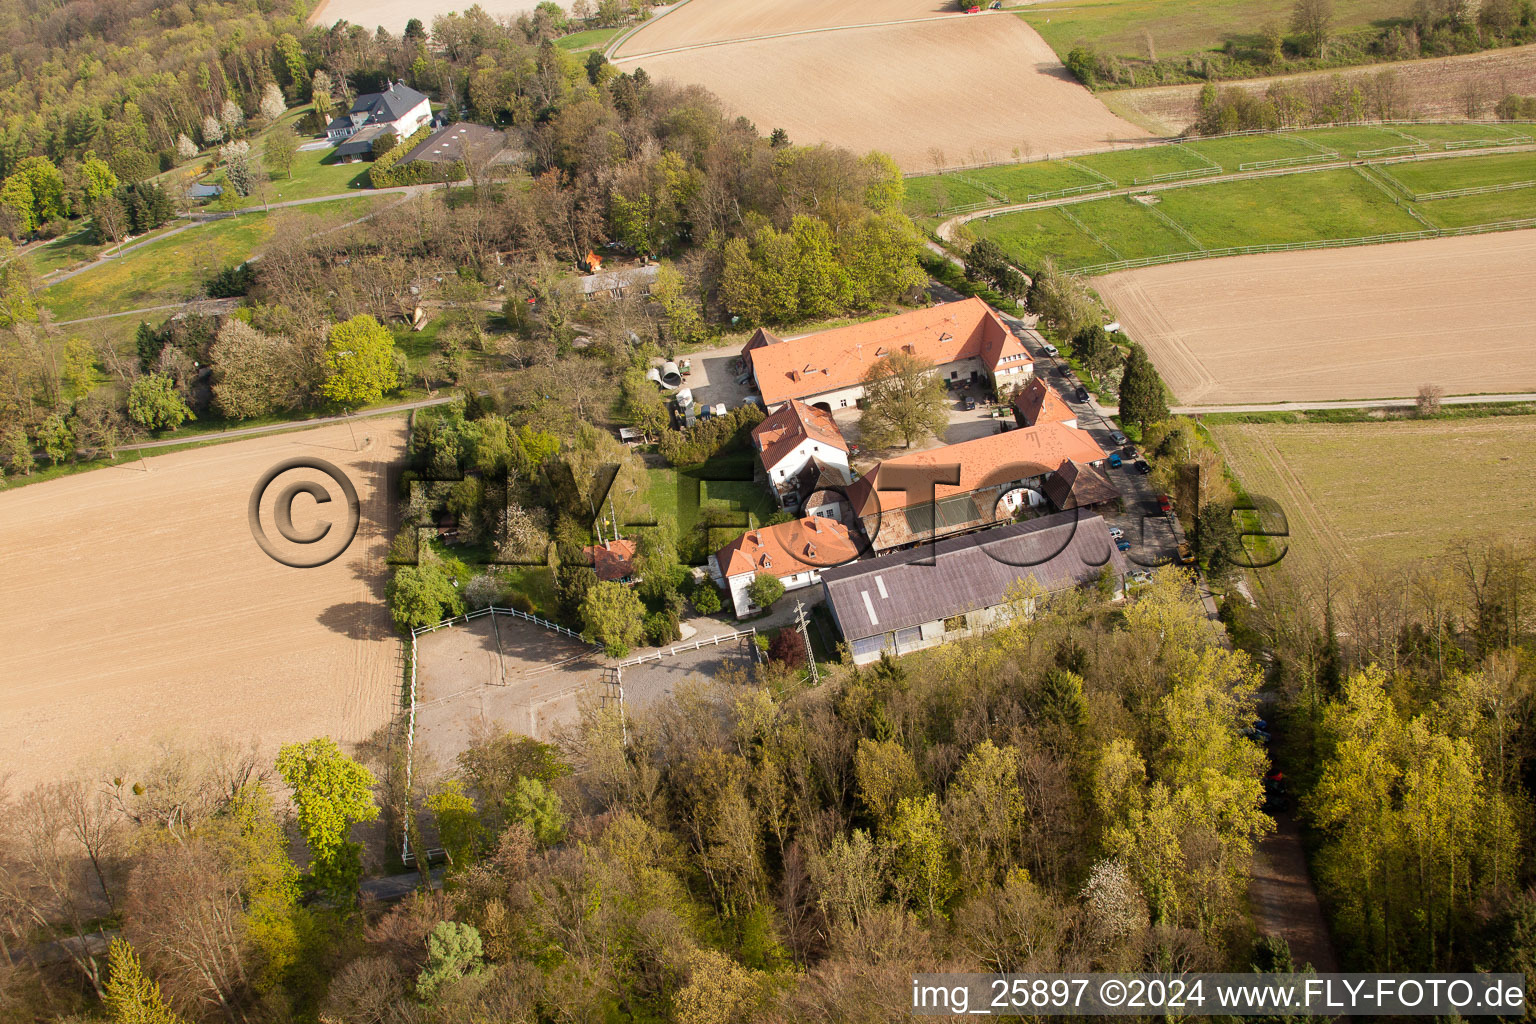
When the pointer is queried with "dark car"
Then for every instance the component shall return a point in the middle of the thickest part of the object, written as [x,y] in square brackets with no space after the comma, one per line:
[1082,393]
[968,402]
[1142,467]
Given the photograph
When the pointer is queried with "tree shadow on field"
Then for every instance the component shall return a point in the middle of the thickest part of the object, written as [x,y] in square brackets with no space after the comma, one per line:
[356,620]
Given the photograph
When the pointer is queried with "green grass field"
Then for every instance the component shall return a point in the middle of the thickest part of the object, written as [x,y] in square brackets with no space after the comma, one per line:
[1262,211]
[174,269]
[1293,208]
[1134,231]
[1519,204]
[1020,181]
[1178,27]
[591,39]
[316,172]
[1128,165]
[928,195]
[1035,234]
[1421,176]
[1349,141]
[1436,134]
[1231,154]
[677,495]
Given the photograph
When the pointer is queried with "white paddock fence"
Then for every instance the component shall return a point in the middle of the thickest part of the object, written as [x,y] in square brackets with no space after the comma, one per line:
[615,682]
[410,729]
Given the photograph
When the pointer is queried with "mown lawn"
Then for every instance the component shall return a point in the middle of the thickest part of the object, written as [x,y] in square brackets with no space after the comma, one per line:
[174,269]
[679,495]
[316,172]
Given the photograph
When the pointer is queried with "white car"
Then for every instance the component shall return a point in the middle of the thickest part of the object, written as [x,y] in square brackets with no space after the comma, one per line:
[1139,578]
[1116,532]
[1050,350]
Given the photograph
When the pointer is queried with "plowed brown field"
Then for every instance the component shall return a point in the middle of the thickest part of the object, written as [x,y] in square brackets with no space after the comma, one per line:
[137,607]
[943,89]
[1363,323]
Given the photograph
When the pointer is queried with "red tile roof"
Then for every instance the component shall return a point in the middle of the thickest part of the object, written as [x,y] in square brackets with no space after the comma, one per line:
[984,461]
[818,363]
[612,560]
[1039,403]
[783,430]
[784,549]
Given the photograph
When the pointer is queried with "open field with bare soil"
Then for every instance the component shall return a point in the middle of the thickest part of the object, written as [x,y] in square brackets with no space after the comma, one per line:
[1371,322]
[1434,88]
[393,14]
[138,606]
[1381,494]
[902,89]
[717,21]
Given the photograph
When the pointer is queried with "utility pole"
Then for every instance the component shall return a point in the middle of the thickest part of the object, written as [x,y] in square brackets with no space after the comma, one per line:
[805,635]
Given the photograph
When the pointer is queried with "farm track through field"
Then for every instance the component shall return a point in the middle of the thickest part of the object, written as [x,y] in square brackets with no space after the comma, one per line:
[1261,461]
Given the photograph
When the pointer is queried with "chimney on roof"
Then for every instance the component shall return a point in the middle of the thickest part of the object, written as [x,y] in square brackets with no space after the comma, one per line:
[812,525]
[753,538]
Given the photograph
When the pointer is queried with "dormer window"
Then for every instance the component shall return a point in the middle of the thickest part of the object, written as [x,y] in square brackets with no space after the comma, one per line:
[810,550]
[946,336]
[766,562]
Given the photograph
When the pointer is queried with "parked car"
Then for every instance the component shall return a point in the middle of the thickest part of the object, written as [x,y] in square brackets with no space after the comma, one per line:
[1116,532]
[1050,349]
[1081,393]
[1165,504]
[1139,578]
[1114,460]
[1117,437]
[1142,467]
[1122,544]
[968,402]
[972,9]
[1186,555]
[1129,451]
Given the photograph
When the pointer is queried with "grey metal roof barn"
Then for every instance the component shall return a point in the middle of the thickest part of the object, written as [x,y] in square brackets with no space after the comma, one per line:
[956,575]
[457,141]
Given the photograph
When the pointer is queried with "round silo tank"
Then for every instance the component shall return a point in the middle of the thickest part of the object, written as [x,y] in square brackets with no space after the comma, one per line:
[654,376]
[671,376]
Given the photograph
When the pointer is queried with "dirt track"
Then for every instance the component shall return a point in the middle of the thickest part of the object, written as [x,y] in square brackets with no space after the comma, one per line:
[139,607]
[1370,322]
[912,90]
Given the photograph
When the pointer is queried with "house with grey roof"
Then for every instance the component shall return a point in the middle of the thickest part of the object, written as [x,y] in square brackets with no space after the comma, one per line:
[960,586]
[399,108]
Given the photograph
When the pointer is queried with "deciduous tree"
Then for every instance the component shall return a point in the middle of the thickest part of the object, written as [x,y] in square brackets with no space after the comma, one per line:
[360,362]
[332,793]
[903,401]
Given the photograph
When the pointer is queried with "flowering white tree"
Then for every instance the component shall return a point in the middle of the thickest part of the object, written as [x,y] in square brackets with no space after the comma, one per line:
[272,102]
[213,132]
[186,149]
[231,116]
[237,164]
